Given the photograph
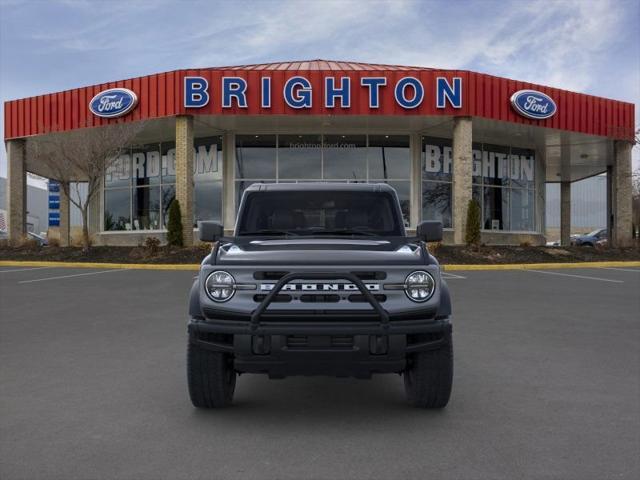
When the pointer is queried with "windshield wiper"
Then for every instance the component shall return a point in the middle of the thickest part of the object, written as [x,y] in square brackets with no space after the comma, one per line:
[266,231]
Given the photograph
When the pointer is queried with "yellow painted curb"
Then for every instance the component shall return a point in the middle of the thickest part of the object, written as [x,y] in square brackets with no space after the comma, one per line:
[195,267]
[539,266]
[129,266]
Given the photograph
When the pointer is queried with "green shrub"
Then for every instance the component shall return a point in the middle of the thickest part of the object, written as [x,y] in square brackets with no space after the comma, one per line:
[152,245]
[174,226]
[472,235]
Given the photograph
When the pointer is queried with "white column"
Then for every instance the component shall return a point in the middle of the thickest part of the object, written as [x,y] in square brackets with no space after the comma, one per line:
[462,175]
[228,182]
[622,192]
[16,191]
[565,213]
[65,219]
[184,174]
[416,179]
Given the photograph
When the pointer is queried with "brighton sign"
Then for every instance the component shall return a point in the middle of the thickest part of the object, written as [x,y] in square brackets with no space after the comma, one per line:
[408,92]
[113,103]
[533,104]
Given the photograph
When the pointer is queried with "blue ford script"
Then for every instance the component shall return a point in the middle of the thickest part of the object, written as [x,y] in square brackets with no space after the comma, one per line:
[114,102]
[533,104]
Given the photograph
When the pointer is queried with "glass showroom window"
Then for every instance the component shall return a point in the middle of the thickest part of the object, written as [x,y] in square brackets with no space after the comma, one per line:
[495,181]
[145,195]
[344,157]
[437,180]
[389,161]
[207,177]
[255,161]
[503,184]
[318,158]
[299,157]
[117,194]
[505,176]
[140,185]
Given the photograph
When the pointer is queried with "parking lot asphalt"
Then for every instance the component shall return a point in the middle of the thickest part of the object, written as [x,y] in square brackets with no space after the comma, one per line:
[93,386]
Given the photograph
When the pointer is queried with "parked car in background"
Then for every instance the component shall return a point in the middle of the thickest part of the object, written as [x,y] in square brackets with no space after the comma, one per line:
[591,238]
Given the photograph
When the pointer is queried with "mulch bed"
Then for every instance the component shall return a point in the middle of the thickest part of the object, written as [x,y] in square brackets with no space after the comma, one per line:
[446,254]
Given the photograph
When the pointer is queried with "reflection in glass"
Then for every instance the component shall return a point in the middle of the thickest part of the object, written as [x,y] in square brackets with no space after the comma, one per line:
[495,165]
[436,202]
[345,157]
[168,162]
[389,156]
[522,163]
[522,209]
[145,165]
[437,162]
[207,161]
[255,156]
[146,208]
[118,174]
[168,194]
[299,156]
[117,215]
[496,208]
[403,189]
[208,201]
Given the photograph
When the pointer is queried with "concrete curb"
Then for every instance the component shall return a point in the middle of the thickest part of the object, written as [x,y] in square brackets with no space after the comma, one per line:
[540,266]
[195,267]
[127,266]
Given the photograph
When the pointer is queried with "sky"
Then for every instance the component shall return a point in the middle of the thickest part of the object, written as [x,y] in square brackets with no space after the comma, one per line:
[590,46]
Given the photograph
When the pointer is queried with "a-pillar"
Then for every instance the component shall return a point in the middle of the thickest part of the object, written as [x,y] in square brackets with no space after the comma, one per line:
[16,191]
[462,175]
[621,186]
[65,219]
[565,213]
[184,174]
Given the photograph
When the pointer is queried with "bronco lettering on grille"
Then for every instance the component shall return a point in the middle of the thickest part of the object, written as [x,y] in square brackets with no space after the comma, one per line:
[320,287]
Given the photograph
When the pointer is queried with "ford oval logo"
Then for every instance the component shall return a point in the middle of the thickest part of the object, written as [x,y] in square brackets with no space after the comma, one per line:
[533,104]
[114,102]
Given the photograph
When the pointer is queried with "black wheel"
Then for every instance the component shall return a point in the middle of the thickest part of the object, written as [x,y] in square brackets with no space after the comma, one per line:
[429,375]
[211,377]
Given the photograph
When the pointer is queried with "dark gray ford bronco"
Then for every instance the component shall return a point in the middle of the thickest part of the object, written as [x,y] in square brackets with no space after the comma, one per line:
[320,279]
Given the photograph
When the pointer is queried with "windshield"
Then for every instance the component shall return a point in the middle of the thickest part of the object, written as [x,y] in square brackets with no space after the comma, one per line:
[354,213]
[594,233]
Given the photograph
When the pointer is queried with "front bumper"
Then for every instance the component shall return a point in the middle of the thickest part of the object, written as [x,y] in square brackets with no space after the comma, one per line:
[343,349]
[318,342]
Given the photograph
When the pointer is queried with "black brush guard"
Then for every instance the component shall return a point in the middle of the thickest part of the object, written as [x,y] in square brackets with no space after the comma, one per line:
[258,312]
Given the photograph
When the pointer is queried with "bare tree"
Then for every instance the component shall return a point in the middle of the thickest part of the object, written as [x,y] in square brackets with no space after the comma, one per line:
[82,156]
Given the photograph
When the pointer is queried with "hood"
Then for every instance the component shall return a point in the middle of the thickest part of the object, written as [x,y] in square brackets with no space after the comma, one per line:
[321,251]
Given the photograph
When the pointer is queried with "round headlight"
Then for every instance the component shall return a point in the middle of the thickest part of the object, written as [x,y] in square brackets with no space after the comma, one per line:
[419,286]
[220,286]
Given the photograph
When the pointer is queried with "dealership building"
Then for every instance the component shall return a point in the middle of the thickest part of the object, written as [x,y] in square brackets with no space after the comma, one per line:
[439,137]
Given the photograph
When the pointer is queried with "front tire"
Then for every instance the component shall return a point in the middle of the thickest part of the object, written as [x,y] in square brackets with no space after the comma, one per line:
[429,376]
[211,377]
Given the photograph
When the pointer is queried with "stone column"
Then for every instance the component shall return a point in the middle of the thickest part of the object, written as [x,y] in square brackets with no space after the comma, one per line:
[565,213]
[462,175]
[184,174]
[416,180]
[16,191]
[228,182]
[621,184]
[65,218]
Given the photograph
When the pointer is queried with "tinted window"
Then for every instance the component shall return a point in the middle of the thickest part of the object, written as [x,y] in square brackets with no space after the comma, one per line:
[320,212]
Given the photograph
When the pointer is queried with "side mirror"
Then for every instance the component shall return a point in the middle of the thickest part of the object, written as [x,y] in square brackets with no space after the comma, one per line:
[430,231]
[209,231]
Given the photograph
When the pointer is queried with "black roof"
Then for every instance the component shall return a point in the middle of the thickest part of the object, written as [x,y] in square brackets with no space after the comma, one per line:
[320,186]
